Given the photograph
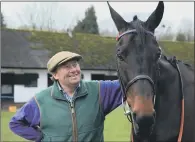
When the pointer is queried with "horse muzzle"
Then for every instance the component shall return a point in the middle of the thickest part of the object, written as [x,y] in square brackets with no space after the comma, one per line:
[143,125]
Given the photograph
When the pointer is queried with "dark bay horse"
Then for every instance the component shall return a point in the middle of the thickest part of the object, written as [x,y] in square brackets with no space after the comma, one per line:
[159,90]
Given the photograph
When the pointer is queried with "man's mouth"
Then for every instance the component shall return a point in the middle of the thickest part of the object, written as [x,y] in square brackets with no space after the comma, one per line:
[73,76]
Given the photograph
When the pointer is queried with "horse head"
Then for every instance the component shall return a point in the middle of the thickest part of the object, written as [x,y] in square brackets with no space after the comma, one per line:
[137,56]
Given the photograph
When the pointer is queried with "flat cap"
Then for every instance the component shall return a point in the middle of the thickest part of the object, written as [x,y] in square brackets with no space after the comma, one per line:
[60,58]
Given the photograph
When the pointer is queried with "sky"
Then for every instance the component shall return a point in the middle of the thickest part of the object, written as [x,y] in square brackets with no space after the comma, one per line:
[65,14]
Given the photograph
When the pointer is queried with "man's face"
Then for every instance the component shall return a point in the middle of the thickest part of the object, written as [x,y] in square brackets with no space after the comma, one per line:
[68,73]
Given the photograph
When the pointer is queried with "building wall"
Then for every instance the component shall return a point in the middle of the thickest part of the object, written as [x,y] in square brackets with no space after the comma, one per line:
[22,93]
[87,73]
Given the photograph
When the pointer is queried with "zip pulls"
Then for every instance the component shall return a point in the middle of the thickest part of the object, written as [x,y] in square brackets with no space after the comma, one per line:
[72,106]
[74,132]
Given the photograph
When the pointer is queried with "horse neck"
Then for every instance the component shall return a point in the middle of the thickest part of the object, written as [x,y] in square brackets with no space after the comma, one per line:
[168,104]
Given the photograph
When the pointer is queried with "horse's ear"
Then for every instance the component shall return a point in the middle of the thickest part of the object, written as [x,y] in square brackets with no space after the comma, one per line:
[120,23]
[155,18]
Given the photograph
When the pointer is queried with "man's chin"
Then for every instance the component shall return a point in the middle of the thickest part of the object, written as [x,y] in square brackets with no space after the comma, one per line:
[75,82]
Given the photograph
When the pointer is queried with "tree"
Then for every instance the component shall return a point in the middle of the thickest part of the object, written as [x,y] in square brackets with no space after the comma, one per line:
[186,32]
[89,23]
[189,35]
[3,25]
[165,32]
[181,36]
[38,16]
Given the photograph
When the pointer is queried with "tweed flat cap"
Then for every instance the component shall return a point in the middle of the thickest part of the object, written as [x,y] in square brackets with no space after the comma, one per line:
[60,58]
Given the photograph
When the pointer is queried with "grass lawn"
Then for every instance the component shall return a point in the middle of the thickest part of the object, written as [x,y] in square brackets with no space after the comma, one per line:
[117,127]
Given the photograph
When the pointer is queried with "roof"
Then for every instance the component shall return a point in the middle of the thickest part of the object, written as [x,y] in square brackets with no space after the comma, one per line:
[32,49]
[16,51]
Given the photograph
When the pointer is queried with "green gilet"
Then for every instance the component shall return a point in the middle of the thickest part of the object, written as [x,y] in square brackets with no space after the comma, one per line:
[82,120]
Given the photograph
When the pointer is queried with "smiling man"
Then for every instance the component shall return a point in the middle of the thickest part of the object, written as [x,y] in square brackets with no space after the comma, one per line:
[71,109]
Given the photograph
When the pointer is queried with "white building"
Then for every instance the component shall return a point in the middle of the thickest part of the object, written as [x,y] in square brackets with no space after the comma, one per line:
[23,69]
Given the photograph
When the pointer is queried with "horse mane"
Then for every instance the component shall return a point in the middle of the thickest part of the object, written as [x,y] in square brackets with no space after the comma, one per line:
[170,60]
[189,66]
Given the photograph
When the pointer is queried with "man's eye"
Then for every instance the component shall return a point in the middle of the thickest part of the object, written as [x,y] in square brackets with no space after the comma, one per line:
[75,64]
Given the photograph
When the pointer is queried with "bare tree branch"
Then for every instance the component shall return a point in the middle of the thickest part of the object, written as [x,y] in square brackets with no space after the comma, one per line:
[40,15]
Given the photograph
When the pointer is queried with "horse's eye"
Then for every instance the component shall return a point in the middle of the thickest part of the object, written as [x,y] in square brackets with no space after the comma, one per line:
[158,55]
[120,57]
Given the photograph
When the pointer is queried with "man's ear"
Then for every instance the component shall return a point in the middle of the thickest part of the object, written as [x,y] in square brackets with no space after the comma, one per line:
[55,76]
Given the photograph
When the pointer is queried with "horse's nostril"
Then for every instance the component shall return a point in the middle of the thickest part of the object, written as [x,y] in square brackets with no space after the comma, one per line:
[154,114]
[145,121]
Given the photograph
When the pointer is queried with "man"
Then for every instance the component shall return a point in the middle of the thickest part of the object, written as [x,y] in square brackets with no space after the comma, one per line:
[71,109]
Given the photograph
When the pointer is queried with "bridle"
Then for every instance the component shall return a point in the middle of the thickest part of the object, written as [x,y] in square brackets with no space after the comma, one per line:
[127,109]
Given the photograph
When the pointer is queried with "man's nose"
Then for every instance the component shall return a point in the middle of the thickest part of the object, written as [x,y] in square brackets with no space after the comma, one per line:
[72,68]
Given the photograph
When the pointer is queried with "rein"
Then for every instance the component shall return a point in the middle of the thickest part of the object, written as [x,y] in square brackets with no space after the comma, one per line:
[128,112]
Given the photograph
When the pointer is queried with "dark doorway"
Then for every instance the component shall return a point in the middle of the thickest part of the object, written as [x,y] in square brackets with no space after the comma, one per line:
[49,81]
[7,89]
[111,77]
[97,76]
[103,77]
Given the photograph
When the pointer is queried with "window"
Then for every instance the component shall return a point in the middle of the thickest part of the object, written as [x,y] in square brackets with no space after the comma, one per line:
[7,78]
[103,77]
[97,76]
[111,77]
[7,92]
[30,79]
